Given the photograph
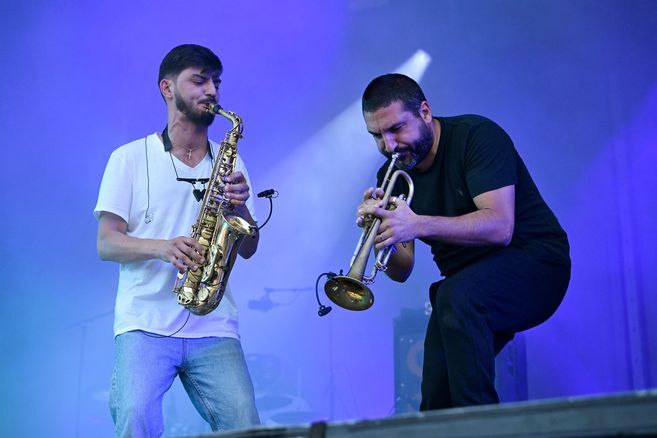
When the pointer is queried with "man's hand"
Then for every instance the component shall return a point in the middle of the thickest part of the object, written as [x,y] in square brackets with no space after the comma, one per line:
[398,224]
[371,199]
[114,244]
[182,252]
[236,190]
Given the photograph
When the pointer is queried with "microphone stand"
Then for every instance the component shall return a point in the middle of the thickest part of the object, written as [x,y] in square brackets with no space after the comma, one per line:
[82,325]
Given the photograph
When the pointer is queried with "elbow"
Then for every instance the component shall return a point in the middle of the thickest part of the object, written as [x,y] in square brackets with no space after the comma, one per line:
[247,250]
[104,256]
[247,255]
[505,235]
[401,278]
[102,250]
[400,274]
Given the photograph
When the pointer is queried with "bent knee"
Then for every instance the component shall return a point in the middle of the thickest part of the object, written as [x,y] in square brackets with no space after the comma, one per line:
[457,303]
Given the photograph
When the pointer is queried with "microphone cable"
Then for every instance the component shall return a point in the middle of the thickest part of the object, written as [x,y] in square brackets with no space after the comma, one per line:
[269,194]
[323,310]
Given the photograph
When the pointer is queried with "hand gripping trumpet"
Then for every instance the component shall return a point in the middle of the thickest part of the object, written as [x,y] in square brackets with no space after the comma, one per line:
[350,291]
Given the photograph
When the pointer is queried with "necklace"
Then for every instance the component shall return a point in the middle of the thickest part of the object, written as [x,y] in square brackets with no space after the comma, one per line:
[168,145]
[198,193]
[189,151]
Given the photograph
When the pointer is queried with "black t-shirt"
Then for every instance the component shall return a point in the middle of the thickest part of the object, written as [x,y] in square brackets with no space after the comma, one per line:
[475,156]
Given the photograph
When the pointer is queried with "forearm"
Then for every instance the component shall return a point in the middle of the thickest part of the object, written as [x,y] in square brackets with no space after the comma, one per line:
[118,247]
[400,265]
[479,228]
[250,243]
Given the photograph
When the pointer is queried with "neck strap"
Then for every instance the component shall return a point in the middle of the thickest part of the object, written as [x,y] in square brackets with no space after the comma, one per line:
[168,145]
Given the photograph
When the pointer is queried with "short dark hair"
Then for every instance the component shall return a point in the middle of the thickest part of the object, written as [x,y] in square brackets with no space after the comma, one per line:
[188,55]
[393,87]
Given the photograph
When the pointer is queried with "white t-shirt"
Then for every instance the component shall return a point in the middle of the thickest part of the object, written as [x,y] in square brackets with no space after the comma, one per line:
[140,180]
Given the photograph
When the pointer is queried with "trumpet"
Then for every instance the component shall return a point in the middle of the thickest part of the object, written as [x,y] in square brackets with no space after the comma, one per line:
[350,291]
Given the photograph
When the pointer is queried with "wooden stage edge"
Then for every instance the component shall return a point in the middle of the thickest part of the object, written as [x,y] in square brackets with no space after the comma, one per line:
[617,415]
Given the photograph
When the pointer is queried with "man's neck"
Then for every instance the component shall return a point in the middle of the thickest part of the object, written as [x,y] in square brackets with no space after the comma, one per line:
[426,163]
[186,134]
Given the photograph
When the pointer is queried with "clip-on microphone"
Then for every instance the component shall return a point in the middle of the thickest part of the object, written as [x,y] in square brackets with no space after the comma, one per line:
[267,193]
[323,310]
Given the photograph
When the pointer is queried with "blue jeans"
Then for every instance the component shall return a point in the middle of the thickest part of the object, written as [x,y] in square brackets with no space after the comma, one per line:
[212,370]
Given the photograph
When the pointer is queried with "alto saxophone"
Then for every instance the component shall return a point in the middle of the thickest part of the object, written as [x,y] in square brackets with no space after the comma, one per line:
[218,229]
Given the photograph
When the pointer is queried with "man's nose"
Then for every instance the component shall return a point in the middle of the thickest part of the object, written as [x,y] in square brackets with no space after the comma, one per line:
[389,143]
[211,89]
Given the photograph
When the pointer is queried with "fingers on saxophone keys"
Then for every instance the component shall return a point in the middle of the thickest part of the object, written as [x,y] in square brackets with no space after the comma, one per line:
[194,245]
[184,265]
[234,177]
[198,255]
[175,262]
[187,263]
[193,254]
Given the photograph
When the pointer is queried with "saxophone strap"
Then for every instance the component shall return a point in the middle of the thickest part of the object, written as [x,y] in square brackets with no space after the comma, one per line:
[168,145]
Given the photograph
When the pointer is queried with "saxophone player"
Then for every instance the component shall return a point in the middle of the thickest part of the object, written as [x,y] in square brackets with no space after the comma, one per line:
[148,200]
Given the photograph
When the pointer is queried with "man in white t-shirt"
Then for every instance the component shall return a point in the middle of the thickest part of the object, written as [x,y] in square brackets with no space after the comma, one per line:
[146,207]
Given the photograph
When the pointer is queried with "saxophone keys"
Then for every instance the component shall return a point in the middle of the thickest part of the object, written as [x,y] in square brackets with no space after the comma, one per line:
[203,294]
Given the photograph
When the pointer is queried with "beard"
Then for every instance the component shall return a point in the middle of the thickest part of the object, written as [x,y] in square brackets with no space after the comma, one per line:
[416,151]
[198,117]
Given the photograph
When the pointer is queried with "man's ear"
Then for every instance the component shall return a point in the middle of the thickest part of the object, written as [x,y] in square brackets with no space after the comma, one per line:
[425,111]
[166,88]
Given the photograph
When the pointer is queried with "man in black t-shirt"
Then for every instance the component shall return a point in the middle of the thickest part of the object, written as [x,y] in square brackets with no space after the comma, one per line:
[503,254]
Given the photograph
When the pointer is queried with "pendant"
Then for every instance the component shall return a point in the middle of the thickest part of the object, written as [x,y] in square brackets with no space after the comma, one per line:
[198,194]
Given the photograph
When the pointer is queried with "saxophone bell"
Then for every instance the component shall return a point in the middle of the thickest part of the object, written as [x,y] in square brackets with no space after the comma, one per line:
[350,291]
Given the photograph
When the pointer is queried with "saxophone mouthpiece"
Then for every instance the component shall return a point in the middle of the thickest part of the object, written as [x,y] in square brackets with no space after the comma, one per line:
[213,108]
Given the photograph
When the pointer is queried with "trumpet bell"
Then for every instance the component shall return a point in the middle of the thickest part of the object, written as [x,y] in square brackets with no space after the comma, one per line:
[349,293]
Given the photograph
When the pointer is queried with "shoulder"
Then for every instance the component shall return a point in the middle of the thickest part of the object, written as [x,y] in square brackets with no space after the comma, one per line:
[135,154]
[467,121]
[136,146]
[473,127]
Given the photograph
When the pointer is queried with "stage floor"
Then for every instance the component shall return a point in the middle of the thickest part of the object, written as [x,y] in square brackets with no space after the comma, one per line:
[618,415]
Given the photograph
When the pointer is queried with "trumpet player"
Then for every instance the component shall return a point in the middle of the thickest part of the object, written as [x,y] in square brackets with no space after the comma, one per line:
[501,250]
[149,199]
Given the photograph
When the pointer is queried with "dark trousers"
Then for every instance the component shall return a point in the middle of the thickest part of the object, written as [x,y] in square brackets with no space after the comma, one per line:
[475,313]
